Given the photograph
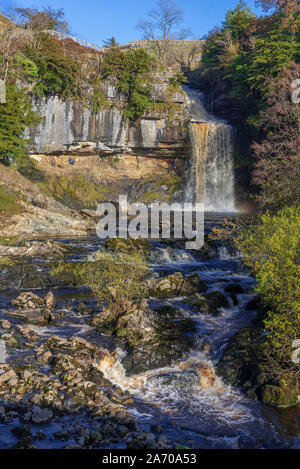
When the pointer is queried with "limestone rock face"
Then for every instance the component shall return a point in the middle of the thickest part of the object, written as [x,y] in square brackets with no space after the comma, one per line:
[69,126]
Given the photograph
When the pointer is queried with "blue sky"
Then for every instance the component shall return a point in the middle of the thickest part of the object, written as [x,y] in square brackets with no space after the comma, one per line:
[97,20]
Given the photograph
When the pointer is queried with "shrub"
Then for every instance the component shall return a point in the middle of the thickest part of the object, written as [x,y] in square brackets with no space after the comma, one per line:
[131,72]
[271,247]
[115,278]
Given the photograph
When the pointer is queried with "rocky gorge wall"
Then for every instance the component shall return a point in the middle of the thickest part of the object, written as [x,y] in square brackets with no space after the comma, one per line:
[70,126]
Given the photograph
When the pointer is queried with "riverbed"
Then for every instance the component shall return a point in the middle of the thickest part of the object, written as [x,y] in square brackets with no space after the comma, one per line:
[171,399]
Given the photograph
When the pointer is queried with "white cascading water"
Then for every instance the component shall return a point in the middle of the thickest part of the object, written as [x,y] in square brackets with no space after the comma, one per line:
[211,178]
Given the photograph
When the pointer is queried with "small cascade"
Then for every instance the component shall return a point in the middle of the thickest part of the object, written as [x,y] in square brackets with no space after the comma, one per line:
[211,179]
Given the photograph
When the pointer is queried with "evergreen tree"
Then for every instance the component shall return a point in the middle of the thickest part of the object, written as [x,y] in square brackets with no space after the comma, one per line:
[15,116]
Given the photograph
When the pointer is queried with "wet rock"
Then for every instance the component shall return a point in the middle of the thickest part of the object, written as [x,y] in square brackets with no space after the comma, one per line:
[199,304]
[27,301]
[63,435]
[22,431]
[156,428]
[40,435]
[31,316]
[33,309]
[25,443]
[253,305]
[172,312]
[236,364]
[50,301]
[41,415]
[177,379]
[281,396]
[5,324]
[234,288]
[44,358]
[7,375]
[176,285]
[49,249]
[152,341]
[216,300]
[122,430]
[240,365]
[210,250]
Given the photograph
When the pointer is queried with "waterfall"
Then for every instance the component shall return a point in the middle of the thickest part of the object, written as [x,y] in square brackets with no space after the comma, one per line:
[211,179]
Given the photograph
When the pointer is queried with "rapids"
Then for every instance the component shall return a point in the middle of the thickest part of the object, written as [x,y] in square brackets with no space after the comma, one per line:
[191,403]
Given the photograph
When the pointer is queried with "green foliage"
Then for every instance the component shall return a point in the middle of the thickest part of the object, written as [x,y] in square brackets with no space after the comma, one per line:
[113,277]
[57,72]
[252,71]
[238,20]
[9,203]
[247,52]
[27,167]
[6,261]
[271,248]
[76,192]
[111,42]
[142,246]
[15,116]
[29,69]
[98,101]
[177,80]
[131,71]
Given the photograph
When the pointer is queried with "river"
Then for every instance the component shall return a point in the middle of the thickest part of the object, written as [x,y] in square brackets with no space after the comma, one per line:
[217,416]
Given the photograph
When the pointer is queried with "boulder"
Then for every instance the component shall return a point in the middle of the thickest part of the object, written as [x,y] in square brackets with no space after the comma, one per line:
[150,338]
[208,303]
[5,324]
[216,300]
[50,301]
[234,288]
[176,285]
[7,375]
[177,379]
[39,415]
[33,309]
[199,304]
[240,366]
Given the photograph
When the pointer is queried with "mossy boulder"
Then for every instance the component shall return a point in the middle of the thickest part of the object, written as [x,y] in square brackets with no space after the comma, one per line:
[241,365]
[150,338]
[281,396]
[208,303]
[199,303]
[176,285]
[128,245]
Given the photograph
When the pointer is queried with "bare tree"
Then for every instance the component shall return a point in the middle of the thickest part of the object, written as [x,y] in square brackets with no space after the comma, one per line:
[159,28]
[11,42]
[46,19]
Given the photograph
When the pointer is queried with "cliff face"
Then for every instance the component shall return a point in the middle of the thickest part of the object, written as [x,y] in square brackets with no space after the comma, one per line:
[69,126]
